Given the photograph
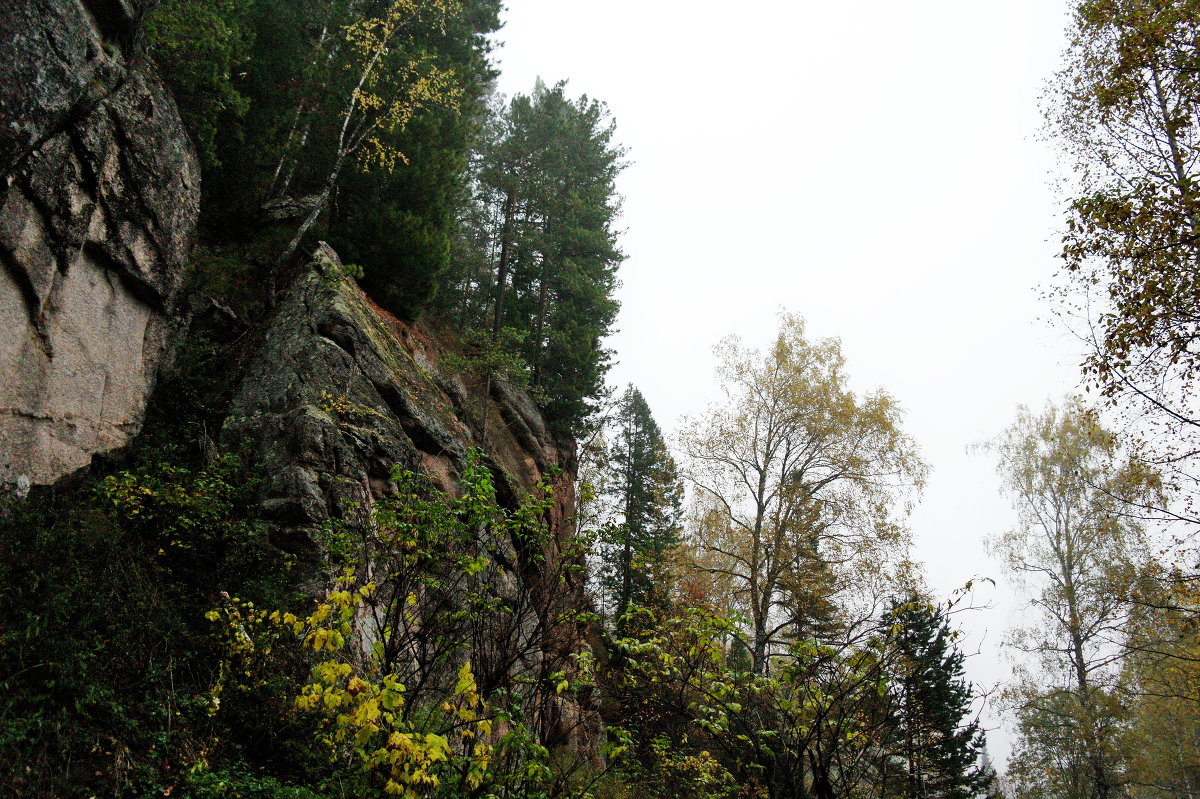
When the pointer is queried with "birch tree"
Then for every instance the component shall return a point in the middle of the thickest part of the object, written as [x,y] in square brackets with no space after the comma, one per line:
[392,83]
[801,480]
[1126,109]
[1077,550]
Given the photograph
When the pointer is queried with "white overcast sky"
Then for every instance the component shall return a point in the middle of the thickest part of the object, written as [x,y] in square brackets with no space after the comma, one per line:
[873,166]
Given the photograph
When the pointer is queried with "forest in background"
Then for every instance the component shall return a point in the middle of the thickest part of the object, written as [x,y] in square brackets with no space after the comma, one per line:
[767,637]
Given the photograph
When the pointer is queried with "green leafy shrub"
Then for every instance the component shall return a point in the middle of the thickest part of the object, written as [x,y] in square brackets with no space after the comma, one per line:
[104,651]
[95,651]
[404,691]
[240,782]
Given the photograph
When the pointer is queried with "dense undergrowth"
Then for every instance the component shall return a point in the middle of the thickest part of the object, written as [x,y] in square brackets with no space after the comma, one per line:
[137,660]
[105,653]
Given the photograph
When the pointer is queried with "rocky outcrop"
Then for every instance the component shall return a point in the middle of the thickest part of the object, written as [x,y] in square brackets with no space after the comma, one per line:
[99,199]
[341,391]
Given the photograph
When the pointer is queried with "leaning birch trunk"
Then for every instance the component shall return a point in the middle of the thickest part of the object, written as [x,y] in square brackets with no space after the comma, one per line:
[297,133]
[313,215]
[367,113]
[348,142]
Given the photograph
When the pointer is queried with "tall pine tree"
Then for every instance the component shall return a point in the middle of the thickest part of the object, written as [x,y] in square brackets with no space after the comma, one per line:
[538,262]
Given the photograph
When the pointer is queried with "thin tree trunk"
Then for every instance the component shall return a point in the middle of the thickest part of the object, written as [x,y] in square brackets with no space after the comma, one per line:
[510,202]
[910,745]
[1182,182]
[317,209]
[538,334]
[762,587]
[759,655]
[627,545]
[348,141]
[304,109]
[282,189]
[626,577]
[1172,142]
[822,787]
[1083,683]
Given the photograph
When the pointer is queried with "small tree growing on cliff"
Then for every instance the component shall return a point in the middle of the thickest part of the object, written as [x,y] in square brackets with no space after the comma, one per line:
[394,80]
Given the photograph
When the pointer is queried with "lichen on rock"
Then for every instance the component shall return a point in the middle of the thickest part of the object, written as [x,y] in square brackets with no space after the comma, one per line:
[339,392]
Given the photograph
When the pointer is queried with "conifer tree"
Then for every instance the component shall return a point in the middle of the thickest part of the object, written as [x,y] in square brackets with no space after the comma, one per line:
[647,495]
[538,266]
[932,699]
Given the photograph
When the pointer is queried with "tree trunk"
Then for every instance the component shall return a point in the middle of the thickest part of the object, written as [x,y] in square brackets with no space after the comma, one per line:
[510,203]
[310,220]
[822,786]
[627,544]
[759,654]
[1091,734]
[626,577]
[539,328]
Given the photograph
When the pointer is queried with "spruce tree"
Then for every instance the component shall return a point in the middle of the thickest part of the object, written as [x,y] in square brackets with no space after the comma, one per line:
[647,497]
[931,699]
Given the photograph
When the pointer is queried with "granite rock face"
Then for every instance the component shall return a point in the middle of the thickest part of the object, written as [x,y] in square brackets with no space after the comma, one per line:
[99,199]
[340,391]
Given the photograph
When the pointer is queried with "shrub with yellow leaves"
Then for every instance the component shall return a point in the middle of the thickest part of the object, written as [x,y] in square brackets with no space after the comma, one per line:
[426,594]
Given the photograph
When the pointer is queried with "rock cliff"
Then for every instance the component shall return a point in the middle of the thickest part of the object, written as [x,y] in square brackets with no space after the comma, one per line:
[98,202]
[341,391]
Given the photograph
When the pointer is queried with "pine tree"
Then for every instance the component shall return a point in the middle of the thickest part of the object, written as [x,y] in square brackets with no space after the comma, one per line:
[647,497]
[931,699]
[538,266]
